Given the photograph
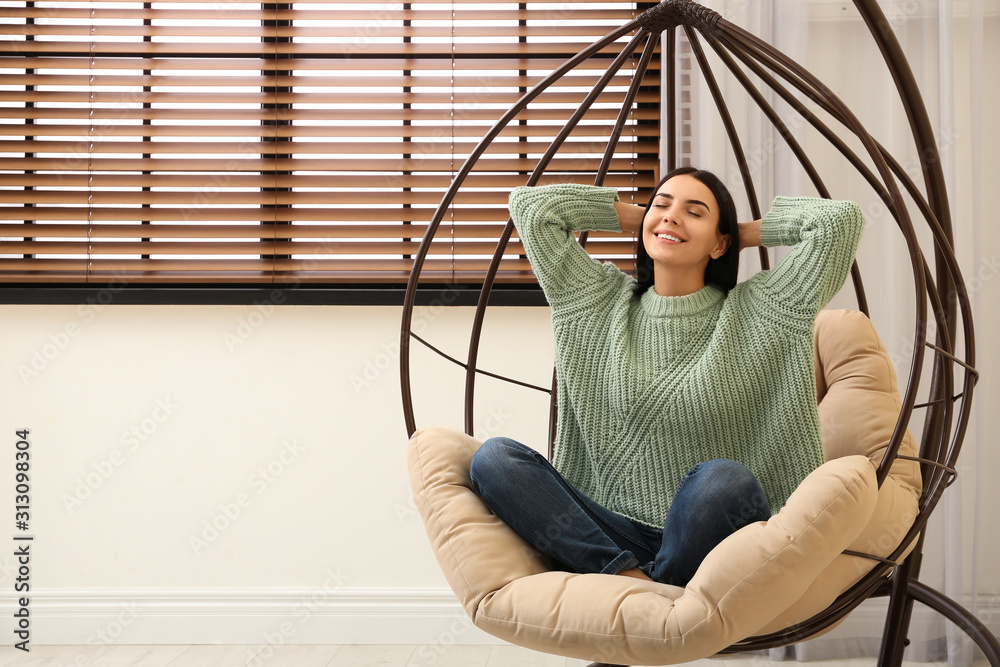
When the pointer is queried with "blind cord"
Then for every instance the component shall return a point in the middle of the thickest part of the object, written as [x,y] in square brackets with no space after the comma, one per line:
[274,129]
[90,149]
[452,147]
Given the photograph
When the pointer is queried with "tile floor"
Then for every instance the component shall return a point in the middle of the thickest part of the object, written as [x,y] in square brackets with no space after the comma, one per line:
[341,656]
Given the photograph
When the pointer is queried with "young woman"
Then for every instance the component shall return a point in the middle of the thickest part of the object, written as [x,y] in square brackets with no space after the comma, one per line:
[686,401]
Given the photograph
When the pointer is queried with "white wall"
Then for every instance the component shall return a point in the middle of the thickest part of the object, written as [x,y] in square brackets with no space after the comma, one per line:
[186,455]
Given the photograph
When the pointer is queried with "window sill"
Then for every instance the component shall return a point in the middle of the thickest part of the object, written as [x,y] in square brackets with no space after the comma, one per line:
[311,295]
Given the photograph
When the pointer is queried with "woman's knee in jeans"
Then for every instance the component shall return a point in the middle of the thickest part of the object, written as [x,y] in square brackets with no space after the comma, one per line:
[493,461]
[724,482]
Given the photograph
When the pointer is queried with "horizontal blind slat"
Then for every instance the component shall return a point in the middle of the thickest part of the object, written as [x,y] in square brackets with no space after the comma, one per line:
[347,33]
[166,64]
[221,196]
[97,249]
[301,130]
[181,180]
[343,49]
[200,212]
[462,148]
[262,265]
[278,231]
[346,97]
[227,165]
[393,80]
[248,13]
[291,115]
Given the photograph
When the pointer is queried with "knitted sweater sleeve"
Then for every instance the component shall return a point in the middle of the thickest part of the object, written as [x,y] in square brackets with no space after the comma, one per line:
[546,219]
[825,235]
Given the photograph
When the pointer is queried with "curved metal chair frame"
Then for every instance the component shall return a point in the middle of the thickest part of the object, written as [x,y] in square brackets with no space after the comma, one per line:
[940,294]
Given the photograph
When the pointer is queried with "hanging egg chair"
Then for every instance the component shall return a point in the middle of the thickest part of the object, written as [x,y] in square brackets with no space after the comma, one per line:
[854,528]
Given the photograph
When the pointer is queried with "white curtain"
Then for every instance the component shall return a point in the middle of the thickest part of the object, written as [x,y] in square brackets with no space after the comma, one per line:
[948,43]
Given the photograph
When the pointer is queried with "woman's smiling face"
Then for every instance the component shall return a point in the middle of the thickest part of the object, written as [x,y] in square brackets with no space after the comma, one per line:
[681,228]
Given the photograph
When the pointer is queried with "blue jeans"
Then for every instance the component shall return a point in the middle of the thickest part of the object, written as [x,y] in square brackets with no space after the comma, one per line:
[714,500]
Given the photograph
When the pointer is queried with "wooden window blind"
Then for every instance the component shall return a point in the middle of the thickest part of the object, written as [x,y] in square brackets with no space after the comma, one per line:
[291,143]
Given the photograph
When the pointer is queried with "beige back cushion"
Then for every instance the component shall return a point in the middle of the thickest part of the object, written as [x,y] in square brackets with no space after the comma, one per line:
[765,577]
[859,404]
[858,394]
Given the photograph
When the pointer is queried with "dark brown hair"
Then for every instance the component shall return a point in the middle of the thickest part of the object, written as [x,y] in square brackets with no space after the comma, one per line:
[722,271]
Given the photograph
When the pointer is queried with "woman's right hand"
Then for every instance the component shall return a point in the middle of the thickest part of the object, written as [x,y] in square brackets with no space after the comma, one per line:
[630,216]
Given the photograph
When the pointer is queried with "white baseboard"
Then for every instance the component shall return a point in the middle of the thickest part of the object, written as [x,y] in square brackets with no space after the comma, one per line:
[425,617]
[252,617]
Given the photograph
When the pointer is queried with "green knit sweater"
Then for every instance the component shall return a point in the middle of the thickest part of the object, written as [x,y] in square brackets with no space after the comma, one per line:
[650,386]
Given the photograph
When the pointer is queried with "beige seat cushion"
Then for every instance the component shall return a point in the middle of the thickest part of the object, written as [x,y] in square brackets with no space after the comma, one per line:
[764,577]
